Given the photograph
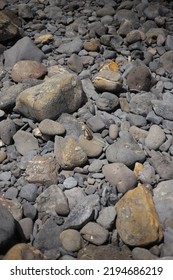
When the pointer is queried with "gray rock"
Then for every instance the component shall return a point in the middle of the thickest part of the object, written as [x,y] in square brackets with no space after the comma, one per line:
[82,213]
[142,254]
[9,28]
[155,137]
[163,109]
[71,47]
[162,164]
[29,192]
[7,131]
[88,87]
[107,217]
[51,127]
[24,49]
[29,211]
[96,123]
[95,166]
[71,240]
[166,250]
[169,42]
[136,120]
[11,193]
[75,63]
[74,196]
[147,174]
[139,78]
[94,233]
[153,118]
[107,101]
[26,225]
[72,126]
[5,176]
[7,226]
[52,201]
[62,93]
[25,142]
[70,183]
[166,145]
[140,103]
[119,175]
[166,61]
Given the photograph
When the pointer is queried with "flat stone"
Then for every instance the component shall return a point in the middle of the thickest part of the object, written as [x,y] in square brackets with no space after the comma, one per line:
[141,103]
[107,101]
[7,226]
[162,164]
[107,217]
[25,142]
[155,137]
[42,39]
[71,47]
[166,61]
[92,45]
[137,132]
[14,207]
[29,192]
[95,166]
[69,153]
[42,170]
[94,233]
[70,182]
[163,109]
[74,196]
[52,201]
[23,251]
[50,127]
[113,131]
[119,175]
[7,131]
[93,147]
[62,93]
[26,225]
[71,240]
[136,120]
[143,254]
[137,222]
[75,63]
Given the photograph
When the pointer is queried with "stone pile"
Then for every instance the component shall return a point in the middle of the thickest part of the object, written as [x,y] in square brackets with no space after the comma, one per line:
[86,129]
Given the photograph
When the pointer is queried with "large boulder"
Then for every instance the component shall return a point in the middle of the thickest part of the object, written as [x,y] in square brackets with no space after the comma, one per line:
[62,93]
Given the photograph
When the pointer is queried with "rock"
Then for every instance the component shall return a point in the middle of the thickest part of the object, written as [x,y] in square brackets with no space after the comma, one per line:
[71,47]
[9,28]
[105,11]
[142,254]
[107,102]
[107,217]
[134,36]
[137,132]
[166,249]
[163,196]
[45,38]
[92,148]
[25,142]
[82,213]
[24,49]
[27,69]
[52,201]
[119,175]
[141,103]
[70,182]
[29,211]
[3,156]
[23,251]
[166,61]
[95,123]
[125,151]
[137,222]
[163,109]
[169,42]
[42,170]
[7,226]
[94,233]
[62,93]
[147,174]
[50,127]
[162,164]
[108,78]
[29,192]
[95,166]
[14,207]
[153,34]
[26,225]
[155,137]
[47,239]
[75,63]
[71,125]
[104,252]
[92,45]
[7,131]
[139,77]
[71,240]
[69,153]
[136,120]
[74,196]
[113,131]
[125,14]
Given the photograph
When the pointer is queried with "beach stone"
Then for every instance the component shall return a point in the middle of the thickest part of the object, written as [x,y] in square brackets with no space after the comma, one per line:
[42,170]
[147,174]
[42,39]
[71,240]
[103,252]
[92,148]
[3,156]
[166,61]
[71,47]
[162,164]
[25,142]
[69,153]
[7,226]
[92,45]
[26,225]
[142,254]
[107,101]
[74,62]
[7,131]
[94,233]
[50,127]
[9,28]
[155,137]
[137,132]
[95,166]
[163,197]
[29,192]
[153,34]
[136,120]
[107,217]
[95,123]
[139,77]
[125,14]
[126,152]
[82,213]
[153,118]
[29,211]
[119,175]
[134,36]
[27,69]
[88,87]
[169,42]
[163,109]
[14,207]
[52,201]
[62,93]
[137,222]
[105,11]
[23,251]
[5,176]
[24,49]
[70,182]
[166,249]
[74,196]
[141,103]
[113,131]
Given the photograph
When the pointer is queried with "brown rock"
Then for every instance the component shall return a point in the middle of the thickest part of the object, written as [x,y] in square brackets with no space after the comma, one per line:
[27,69]
[92,45]
[8,26]
[13,206]
[93,147]
[45,38]
[3,156]
[137,221]
[23,252]
[94,233]
[42,170]
[51,127]
[139,78]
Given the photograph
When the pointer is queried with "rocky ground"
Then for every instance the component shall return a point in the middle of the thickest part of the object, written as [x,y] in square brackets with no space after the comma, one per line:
[86,129]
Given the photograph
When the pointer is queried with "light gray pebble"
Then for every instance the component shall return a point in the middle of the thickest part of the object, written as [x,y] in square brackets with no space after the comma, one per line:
[155,137]
[5,176]
[70,183]
[74,196]
[94,233]
[107,217]
[29,192]
[11,193]
[26,225]
[95,166]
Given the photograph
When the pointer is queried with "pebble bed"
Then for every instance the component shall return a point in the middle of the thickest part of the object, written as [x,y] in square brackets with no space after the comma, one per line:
[86,173]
